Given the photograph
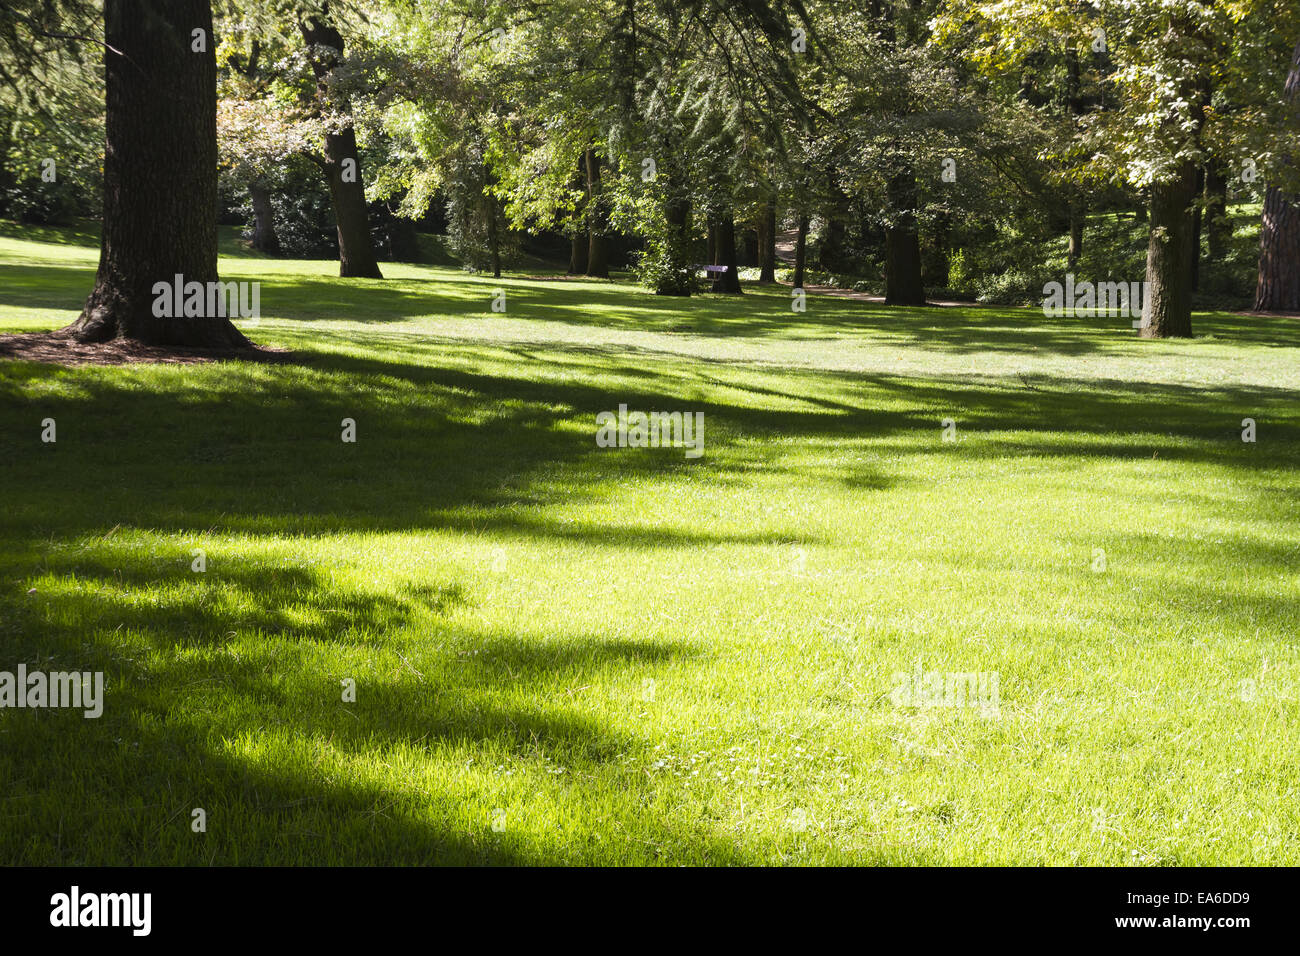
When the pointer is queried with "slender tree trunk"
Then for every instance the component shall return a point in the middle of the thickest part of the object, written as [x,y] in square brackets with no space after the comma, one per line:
[728,281]
[494,238]
[801,250]
[264,237]
[767,247]
[160,175]
[342,166]
[1167,312]
[903,285]
[711,243]
[1216,212]
[597,246]
[1076,236]
[1196,229]
[749,247]
[1278,288]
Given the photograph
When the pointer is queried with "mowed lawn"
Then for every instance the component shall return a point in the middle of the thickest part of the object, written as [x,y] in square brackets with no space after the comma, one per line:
[569,654]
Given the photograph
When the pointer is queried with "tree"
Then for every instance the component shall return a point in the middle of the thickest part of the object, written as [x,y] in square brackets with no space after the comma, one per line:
[1278,288]
[160,174]
[341,163]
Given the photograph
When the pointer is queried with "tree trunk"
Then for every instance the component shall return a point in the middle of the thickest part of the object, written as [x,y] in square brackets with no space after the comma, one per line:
[801,250]
[903,284]
[767,247]
[1167,311]
[264,237]
[749,247]
[711,243]
[1217,230]
[1278,288]
[1196,229]
[728,281]
[494,238]
[597,251]
[160,175]
[578,255]
[1076,236]
[342,166]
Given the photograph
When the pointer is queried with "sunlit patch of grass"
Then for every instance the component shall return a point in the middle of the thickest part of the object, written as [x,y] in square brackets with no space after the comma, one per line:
[569,654]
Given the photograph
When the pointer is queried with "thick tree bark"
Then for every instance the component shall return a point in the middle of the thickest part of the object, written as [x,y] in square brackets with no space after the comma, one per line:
[160,175]
[728,281]
[1167,311]
[801,250]
[342,166]
[903,285]
[767,246]
[264,236]
[578,255]
[1278,288]
[597,246]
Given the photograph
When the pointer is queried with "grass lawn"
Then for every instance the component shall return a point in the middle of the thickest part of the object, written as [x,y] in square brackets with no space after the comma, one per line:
[569,654]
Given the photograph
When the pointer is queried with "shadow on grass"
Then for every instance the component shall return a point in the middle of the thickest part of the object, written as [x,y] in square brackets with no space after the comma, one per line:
[252,728]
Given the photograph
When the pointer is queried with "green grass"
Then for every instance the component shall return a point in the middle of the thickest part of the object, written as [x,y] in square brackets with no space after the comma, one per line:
[626,656]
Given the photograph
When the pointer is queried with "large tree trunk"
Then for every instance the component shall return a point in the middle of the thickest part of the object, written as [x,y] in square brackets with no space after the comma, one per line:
[342,165]
[160,175]
[1278,289]
[767,245]
[728,281]
[903,284]
[578,255]
[801,250]
[1167,311]
[597,247]
[264,237]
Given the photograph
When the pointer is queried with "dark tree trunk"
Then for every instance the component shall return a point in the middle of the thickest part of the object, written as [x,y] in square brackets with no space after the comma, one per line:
[749,247]
[264,237]
[767,247]
[597,246]
[1167,312]
[1278,288]
[711,243]
[494,237]
[801,251]
[578,255]
[1076,236]
[342,166]
[728,281]
[1217,230]
[1196,230]
[160,175]
[903,284]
